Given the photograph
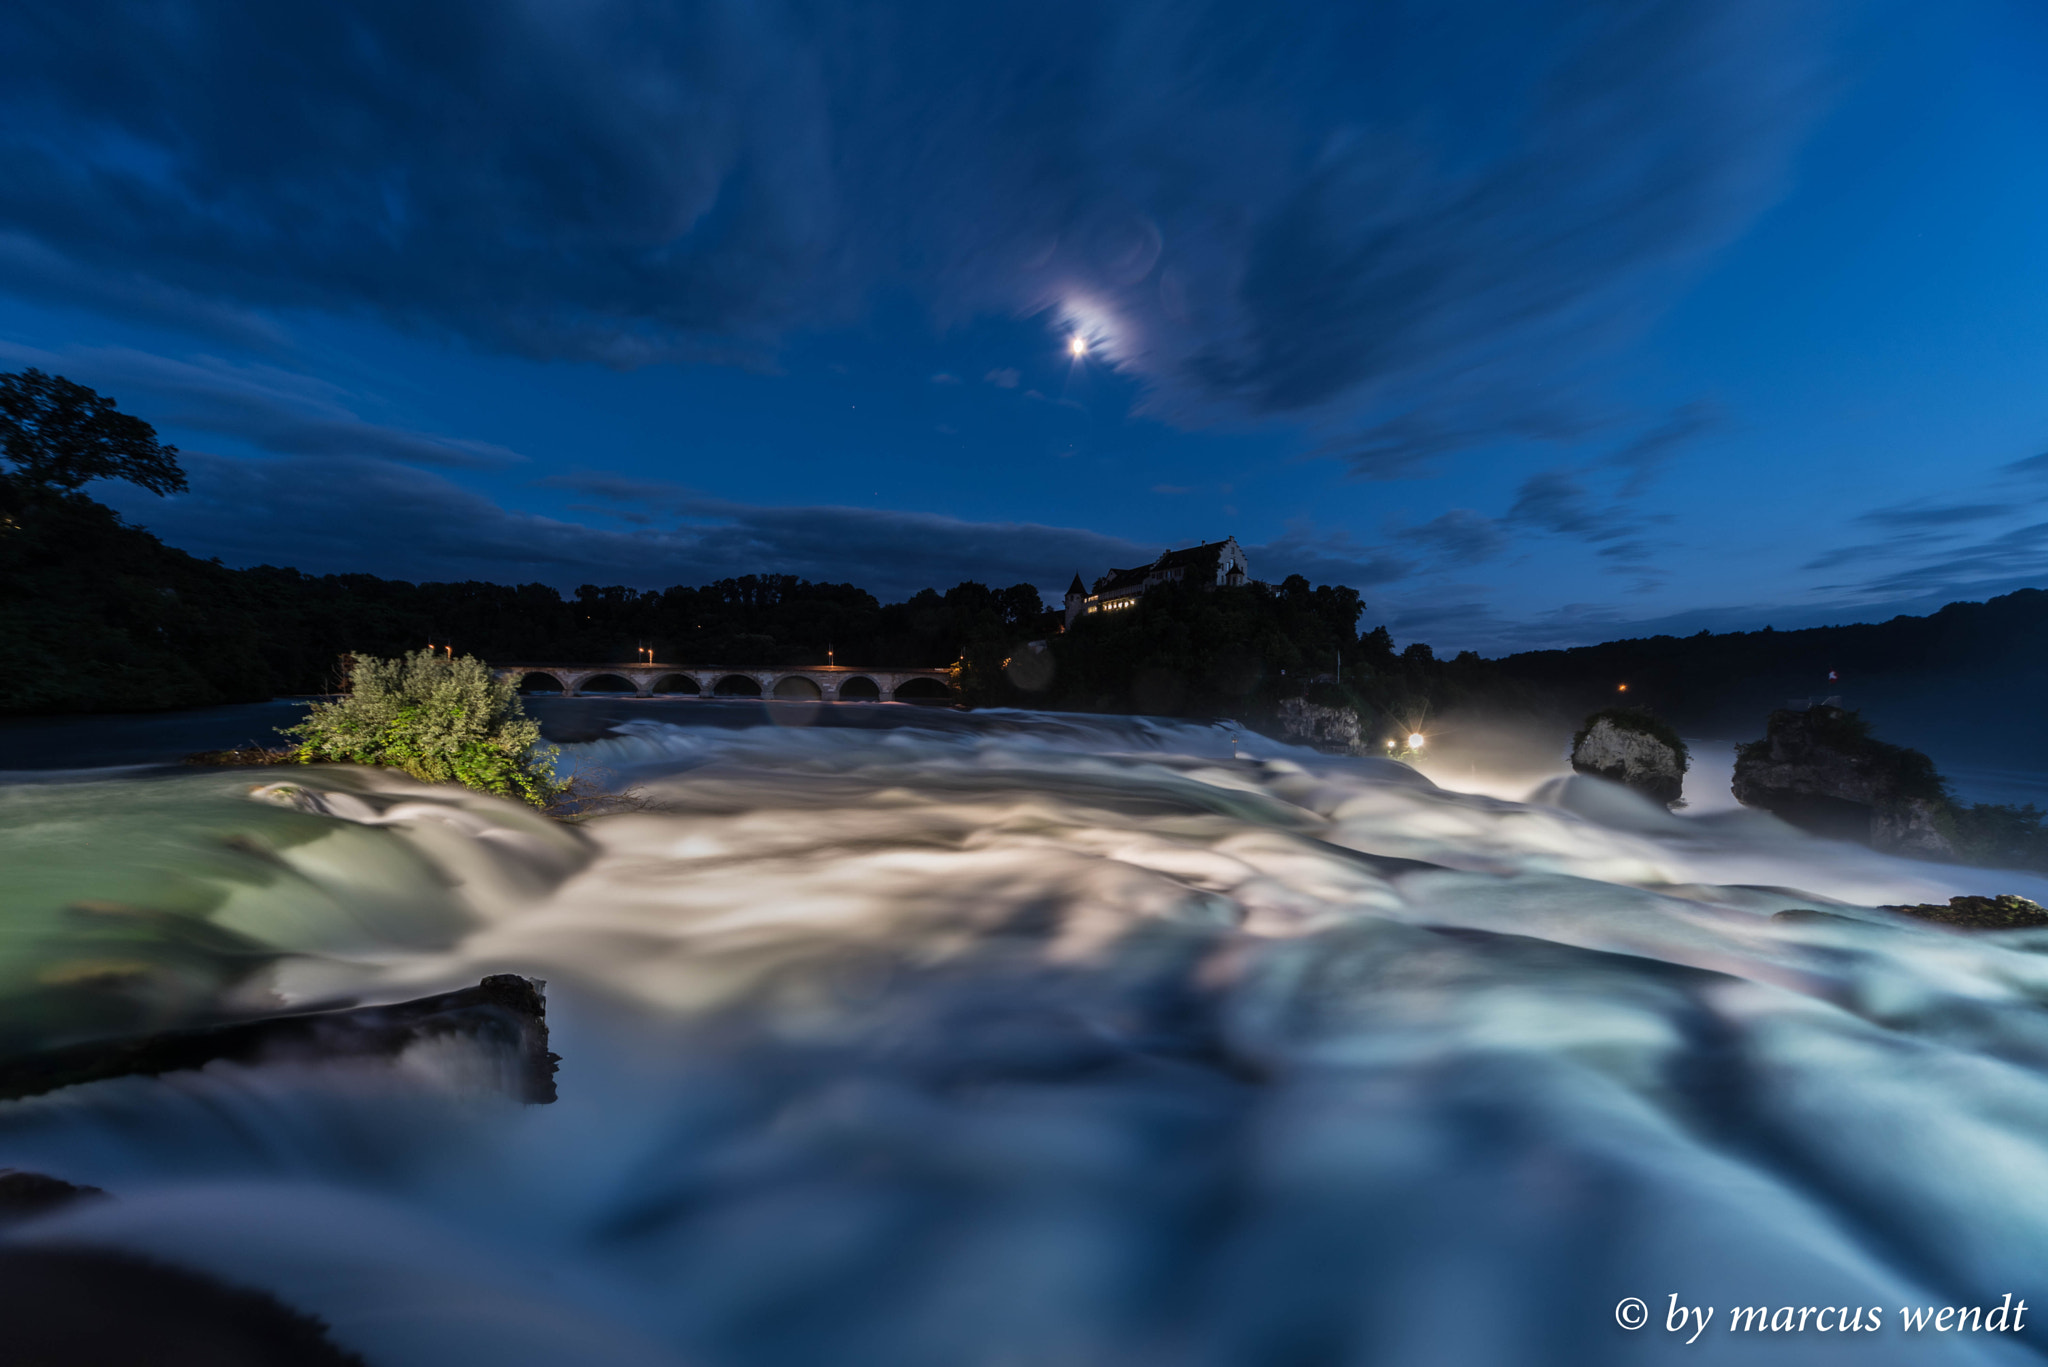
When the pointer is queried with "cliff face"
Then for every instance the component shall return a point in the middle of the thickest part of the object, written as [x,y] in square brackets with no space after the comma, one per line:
[1821,771]
[1609,747]
[1309,723]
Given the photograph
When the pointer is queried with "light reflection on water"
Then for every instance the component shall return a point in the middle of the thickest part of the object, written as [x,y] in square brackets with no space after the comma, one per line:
[1054,1040]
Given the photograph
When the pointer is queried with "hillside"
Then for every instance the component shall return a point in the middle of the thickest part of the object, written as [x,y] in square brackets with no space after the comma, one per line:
[1967,684]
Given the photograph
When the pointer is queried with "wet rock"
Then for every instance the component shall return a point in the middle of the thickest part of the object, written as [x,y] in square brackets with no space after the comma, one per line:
[505,1013]
[82,1307]
[244,757]
[2003,912]
[25,1195]
[1821,770]
[1307,723]
[1634,749]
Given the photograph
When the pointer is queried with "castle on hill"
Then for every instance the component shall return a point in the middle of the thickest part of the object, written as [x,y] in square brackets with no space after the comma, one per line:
[1212,564]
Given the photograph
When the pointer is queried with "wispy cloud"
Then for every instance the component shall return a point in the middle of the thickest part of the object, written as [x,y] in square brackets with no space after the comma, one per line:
[1242,201]
[1935,515]
[1649,451]
[1460,534]
[270,408]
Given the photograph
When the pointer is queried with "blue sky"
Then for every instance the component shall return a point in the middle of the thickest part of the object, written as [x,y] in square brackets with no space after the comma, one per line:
[1539,323]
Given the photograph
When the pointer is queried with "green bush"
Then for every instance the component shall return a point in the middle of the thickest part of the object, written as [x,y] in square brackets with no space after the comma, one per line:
[439,719]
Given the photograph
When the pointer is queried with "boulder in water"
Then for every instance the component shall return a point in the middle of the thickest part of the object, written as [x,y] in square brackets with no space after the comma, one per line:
[1326,728]
[25,1195]
[504,1013]
[1821,770]
[2003,912]
[89,1307]
[1635,749]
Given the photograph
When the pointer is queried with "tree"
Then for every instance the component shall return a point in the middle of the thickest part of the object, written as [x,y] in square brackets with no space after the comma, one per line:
[57,435]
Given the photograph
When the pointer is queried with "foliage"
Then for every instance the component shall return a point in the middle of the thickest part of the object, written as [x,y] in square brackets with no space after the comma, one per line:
[56,436]
[99,616]
[1642,722]
[1911,773]
[439,719]
[1996,835]
[1192,649]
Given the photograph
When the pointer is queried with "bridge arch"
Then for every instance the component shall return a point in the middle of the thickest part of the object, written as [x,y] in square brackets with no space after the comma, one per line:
[737,686]
[676,683]
[923,690]
[540,681]
[860,688]
[607,683]
[798,688]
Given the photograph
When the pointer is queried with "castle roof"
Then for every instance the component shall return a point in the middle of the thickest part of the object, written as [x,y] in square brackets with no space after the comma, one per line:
[1077,589]
[1119,580]
[1193,555]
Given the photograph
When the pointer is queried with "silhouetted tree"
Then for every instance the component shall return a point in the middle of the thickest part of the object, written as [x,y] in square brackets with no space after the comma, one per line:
[56,436]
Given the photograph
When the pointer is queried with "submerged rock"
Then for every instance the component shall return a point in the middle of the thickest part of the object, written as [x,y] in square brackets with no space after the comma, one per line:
[1634,749]
[24,1195]
[505,1013]
[1821,770]
[2003,912]
[86,1307]
[247,756]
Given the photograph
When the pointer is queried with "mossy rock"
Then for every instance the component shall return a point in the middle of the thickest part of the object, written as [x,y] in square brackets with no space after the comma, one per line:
[2003,912]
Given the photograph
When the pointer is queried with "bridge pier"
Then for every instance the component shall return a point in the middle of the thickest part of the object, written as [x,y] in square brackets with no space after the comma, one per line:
[830,682]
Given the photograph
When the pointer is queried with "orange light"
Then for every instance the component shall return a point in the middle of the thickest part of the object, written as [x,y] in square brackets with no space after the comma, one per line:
[1621,688]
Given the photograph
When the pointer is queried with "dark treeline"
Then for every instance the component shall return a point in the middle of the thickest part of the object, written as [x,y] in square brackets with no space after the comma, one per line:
[1965,683]
[1192,649]
[100,616]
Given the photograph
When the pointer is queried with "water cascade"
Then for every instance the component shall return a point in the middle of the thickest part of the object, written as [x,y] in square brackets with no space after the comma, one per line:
[1021,1040]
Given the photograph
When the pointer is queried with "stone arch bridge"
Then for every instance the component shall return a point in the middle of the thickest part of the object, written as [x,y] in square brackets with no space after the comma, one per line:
[809,683]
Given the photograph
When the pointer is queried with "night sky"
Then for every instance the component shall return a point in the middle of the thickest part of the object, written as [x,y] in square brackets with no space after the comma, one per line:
[1537,321]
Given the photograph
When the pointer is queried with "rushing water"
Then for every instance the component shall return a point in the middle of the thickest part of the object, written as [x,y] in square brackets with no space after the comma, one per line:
[1019,1040]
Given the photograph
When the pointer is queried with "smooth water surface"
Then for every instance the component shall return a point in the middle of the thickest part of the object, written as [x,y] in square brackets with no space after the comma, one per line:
[1015,1039]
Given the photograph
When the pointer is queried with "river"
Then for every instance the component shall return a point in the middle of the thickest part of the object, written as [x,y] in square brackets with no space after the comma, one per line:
[895,1037]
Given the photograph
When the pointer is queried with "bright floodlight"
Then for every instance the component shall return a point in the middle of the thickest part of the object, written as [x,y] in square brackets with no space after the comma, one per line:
[1415,740]
[1078,345]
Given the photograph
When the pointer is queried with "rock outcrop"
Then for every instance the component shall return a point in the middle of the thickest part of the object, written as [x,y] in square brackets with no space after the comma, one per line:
[1820,770]
[87,1307]
[505,1014]
[2003,912]
[25,1195]
[1326,728]
[1634,749]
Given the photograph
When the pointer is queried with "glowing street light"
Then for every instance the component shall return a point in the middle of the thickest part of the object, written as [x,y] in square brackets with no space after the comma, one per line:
[1415,739]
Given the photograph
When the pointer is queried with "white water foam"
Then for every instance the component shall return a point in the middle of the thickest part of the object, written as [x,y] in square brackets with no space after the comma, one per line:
[1030,1040]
